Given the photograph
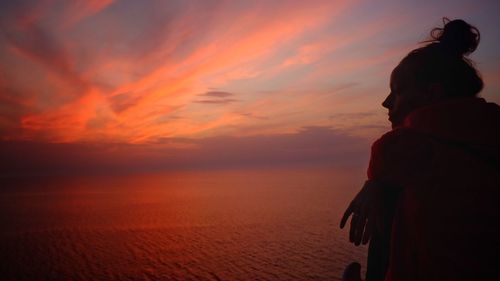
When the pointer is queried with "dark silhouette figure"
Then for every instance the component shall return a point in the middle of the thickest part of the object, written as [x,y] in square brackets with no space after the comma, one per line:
[430,207]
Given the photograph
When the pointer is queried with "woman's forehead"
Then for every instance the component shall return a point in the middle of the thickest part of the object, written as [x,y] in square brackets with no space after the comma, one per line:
[399,76]
[395,77]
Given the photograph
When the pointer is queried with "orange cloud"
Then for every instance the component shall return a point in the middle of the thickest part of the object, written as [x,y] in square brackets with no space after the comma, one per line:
[134,71]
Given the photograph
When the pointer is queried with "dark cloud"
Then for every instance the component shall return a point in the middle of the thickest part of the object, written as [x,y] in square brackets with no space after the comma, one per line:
[251,115]
[309,146]
[217,97]
[217,101]
[385,127]
[21,11]
[12,108]
[344,86]
[42,47]
[217,94]
[121,102]
[353,115]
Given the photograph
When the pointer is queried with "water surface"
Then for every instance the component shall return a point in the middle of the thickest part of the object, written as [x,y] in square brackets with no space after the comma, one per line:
[212,225]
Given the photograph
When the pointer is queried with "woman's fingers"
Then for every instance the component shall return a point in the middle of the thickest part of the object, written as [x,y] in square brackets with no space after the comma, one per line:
[360,226]
[352,230]
[364,211]
[346,215]
[368,231]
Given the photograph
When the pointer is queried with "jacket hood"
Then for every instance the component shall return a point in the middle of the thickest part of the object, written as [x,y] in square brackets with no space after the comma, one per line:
[470,121]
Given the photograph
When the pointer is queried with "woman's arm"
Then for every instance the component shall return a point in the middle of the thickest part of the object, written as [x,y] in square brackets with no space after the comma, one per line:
[399,158]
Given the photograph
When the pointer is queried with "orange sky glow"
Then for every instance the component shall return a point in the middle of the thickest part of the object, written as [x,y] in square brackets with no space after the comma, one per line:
[176,75]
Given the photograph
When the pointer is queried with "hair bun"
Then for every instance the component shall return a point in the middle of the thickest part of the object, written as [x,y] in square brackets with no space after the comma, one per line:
[458,37]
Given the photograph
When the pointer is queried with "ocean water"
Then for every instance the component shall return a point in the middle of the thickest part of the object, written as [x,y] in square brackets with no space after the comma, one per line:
[203,225]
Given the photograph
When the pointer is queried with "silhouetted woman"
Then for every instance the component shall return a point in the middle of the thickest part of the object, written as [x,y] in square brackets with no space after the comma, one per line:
[431,202]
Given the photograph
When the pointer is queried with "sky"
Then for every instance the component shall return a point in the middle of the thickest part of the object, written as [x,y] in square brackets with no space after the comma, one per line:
[168,84]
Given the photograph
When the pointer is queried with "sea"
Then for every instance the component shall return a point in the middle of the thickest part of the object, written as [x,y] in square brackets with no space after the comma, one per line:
[272,224]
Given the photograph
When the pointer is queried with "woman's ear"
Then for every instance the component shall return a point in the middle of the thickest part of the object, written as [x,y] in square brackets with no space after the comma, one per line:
[435,91]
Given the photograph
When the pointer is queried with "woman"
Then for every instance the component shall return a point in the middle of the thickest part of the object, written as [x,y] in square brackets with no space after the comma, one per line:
[430,203]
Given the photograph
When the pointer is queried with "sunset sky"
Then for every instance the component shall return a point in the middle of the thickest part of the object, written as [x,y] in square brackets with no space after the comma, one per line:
[172,83]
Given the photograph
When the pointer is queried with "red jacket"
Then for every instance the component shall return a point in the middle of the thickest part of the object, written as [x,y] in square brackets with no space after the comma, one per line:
[446,159]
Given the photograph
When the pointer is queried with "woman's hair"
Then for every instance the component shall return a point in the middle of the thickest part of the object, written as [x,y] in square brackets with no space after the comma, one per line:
[443,60]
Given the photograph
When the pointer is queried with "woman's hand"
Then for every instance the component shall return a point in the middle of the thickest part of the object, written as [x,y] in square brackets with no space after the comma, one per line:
[367,212]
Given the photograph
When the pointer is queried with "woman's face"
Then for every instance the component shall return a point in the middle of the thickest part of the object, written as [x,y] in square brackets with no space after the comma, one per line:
[403,98]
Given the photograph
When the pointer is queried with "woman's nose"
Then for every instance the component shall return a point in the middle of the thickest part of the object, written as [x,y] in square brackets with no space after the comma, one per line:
[388,102]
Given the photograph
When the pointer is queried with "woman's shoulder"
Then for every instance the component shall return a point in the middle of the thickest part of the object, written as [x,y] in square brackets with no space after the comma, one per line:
[402,136]
[398,156]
